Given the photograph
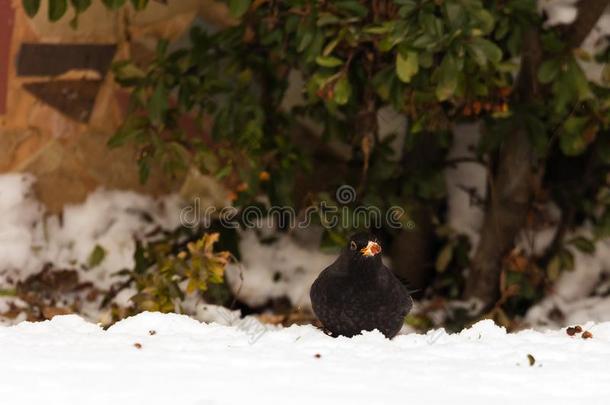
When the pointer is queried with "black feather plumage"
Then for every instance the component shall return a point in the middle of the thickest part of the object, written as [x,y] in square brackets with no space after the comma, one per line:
[358,292]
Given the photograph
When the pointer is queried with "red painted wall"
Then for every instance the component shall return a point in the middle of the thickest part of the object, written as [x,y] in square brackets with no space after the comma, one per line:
[7,19]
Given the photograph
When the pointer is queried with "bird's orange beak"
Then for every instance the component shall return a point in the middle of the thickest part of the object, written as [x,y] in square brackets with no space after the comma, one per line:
[371,249]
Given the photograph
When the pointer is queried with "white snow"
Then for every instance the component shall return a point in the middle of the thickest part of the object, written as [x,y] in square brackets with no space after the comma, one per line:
[575,293]
[283,268]
[109,219]
[19,213]
[564,12]
[181,361]
[558,12]
[464,215]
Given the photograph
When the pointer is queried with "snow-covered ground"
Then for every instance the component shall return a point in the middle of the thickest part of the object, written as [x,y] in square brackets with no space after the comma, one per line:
[172,359]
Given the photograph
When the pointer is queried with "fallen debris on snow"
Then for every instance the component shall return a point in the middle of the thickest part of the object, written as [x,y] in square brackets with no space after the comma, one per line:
[68,360]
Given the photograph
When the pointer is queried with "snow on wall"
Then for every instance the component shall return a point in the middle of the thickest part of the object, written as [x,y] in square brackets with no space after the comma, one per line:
[20,213]
[576,294]
[284,268]
[110,219]
[464,216]
[558,12]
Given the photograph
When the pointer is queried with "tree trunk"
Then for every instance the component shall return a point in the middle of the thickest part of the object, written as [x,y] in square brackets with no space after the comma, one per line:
[505,216]
[512,185]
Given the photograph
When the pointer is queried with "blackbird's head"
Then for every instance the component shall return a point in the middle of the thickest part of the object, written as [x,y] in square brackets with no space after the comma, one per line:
[364,245]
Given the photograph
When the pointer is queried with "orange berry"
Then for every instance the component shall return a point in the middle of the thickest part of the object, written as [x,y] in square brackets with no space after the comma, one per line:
[505,91]
[264,176]
[477,106]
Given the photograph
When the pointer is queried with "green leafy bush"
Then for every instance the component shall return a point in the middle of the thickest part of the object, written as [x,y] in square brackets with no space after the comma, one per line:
[544,137]
[167,271]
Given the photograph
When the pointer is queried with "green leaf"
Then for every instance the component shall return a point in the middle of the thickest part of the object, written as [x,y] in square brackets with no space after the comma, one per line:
[583,244]
[537,132]
[553,268]
[237,8]
[552,42]
[603,150]
[456,14]
[305,40]
[424,41]
[127,73]
[80,5]
[325,19]
[343,90]
[161,48]
[411,3]
[407,7]
[579,81]
[122,136]
[224,172]
[548,71]
[8,292]
[31,7]
[209,161]
[114,4]
[382,81]
[485,19]
[567,259]
[139,4]
[602,228]
[489,49]
[328,49]
[158,104]
[572,141]
[315,47]
[447,79]
[132,127]
[444,258]
[502,28]
[425,59]
[353,7]
[606,74]
[477,54]
[96,257]
[378,29]
[328,61]
[407,65]
[432,25]
[57,9]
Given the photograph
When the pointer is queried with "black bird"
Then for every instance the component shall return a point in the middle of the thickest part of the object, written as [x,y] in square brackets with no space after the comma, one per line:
[357,292]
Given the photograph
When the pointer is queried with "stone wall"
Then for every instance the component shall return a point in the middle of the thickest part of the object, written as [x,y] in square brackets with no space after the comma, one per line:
[59,103]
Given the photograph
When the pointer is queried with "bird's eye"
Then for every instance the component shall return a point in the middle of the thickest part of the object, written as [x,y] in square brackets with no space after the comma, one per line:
[353,245]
